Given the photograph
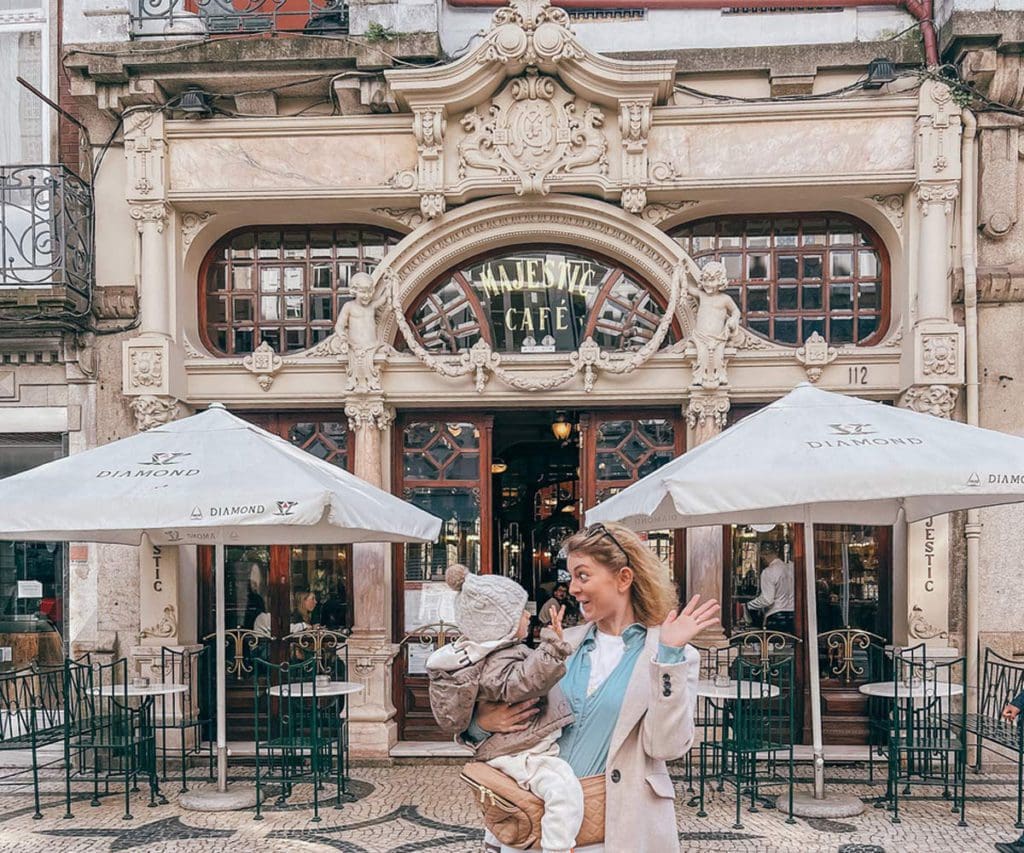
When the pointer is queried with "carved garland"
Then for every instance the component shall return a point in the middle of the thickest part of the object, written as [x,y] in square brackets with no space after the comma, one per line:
[480,360]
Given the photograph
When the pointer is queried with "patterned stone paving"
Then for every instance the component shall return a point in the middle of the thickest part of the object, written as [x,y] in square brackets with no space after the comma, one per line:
[425,807]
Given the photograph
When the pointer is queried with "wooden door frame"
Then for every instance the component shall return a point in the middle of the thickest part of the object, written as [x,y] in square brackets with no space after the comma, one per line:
[588,465]
[485,423]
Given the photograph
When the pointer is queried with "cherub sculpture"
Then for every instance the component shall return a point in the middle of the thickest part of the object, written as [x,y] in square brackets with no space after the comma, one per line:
[717,324]
[357,333]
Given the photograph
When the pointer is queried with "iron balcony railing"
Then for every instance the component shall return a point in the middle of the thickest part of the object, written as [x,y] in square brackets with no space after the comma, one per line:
[46,243]
[155,18]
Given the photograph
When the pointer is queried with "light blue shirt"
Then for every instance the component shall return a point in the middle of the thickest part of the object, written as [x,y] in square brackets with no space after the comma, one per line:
[585,743]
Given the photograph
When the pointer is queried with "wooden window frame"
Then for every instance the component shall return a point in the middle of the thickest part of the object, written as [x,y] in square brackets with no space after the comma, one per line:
[683,235]
[216,257]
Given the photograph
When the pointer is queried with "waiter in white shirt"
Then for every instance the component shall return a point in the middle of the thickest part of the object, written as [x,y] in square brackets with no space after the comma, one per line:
[776,596]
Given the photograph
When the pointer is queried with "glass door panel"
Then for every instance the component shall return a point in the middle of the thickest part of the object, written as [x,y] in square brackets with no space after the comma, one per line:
[319,589]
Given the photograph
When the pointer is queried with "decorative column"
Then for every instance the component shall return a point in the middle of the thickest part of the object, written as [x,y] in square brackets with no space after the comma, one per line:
[706,416]
[924,597]
[372,726]
[149,372]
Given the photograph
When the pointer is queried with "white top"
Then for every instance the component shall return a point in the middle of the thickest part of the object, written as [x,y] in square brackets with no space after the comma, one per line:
[888,690]
[776,589]
[116,690]
[304,689]
[749,690]
[605,656]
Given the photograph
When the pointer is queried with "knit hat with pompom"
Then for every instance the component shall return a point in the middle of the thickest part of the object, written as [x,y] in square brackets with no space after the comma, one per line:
[487,607]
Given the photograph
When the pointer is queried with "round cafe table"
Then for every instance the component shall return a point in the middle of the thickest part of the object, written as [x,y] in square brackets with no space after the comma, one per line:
[736,689]
[304,689]
[889,690]
[147,693]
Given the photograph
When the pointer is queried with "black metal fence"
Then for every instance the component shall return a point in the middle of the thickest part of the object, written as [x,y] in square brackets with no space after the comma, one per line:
[46,241]
[157,18]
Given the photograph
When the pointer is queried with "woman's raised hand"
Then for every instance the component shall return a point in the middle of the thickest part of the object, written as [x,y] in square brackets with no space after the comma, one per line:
[497,717]
[681,626]
[556,621]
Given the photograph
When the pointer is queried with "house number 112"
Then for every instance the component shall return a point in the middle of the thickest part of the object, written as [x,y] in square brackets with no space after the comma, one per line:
[857,375]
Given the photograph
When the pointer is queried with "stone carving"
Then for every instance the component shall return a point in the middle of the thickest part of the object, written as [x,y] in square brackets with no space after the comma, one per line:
[146,368]
[930,194]
[660,211]
[428,126]
[895,339]
[404,179]
[892,207]
[190,349]
[940,354]
[329,346]
[166,627]
[480,360]
[634,126]
[704,407]
[357,334]
[369,411]
[263,363]
[149,213]
[115,302]
[410,217]
[151,411]
[938,400]
[530,32]
[192,224]
[815,355]
[663,171]
[144,152]
[919,628]
[542,133]
[717,323]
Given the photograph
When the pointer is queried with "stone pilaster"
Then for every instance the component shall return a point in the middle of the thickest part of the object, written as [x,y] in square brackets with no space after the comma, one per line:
[706,415]
[372,726]
[925,597]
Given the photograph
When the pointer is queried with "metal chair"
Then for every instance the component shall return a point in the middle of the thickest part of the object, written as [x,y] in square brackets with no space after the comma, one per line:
[31,718]
[111,739]
[758,725]
[183,720]
[298,732]
[929,738]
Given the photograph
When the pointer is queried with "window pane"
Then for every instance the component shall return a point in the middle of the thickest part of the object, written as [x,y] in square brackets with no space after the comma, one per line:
[758,234]
[840,297]
[867,264]
[812,325]
[269,245]
[270,279]
[759,326]
[295,339]
[811,295]
[216,278]
[321,277]
[293,278]
[812,266]
[867,325]
[730,234]
[786,330]
[294,307]
[241,308]
[788,265]
[320,308]
[757,299]
[842,264]
[270,308]
[841,330]
[733,266]
[271,337]
[786,298]
[241,278]
[216,309]
[243,341]
[243,246]
[868,295]
[757,266]
[295,244]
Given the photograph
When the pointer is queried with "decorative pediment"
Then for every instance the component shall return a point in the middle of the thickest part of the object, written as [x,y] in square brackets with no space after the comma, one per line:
[532,108]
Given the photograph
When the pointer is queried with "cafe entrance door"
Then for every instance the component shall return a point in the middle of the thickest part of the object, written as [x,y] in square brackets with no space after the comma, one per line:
[509,488]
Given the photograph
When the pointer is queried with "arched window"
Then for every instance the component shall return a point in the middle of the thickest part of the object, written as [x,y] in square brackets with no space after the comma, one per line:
[796,274]
[545,299]
[282,284]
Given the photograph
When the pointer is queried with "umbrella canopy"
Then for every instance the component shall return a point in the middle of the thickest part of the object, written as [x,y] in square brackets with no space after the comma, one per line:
[211,478]
[819,456]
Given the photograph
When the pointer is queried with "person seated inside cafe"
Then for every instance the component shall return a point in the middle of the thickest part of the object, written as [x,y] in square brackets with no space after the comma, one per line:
[775,601]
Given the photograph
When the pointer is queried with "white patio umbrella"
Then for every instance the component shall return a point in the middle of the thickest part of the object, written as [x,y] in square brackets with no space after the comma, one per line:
[211,479]
[817,456]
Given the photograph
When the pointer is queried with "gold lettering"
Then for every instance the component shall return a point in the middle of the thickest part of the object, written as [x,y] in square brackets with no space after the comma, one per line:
[503,279]
[487,282]
[562,317]
[527,319]
[543,315]
[531,282]
[508,319]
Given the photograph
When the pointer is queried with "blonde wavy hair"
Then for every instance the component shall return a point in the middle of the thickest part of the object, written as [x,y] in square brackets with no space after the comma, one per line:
[652,593]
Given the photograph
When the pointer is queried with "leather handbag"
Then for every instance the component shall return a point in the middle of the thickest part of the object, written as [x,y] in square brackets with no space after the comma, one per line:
[513,814]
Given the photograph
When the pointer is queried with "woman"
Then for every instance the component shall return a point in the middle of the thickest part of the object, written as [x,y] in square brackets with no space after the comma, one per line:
[630,683]
[303,603]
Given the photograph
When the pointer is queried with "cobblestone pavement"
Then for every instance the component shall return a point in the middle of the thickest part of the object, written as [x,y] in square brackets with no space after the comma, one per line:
[425,807]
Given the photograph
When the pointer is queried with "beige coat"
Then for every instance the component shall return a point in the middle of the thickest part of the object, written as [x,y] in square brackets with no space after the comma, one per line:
[655,725]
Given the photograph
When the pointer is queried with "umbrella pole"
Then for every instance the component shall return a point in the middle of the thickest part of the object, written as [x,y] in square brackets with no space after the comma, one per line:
[222,741]
[812,660]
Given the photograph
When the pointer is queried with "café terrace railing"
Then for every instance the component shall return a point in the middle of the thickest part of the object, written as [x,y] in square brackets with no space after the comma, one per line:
[160,18]
[46,243]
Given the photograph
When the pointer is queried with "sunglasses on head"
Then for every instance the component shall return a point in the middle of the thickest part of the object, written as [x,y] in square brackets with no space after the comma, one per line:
[600,530]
